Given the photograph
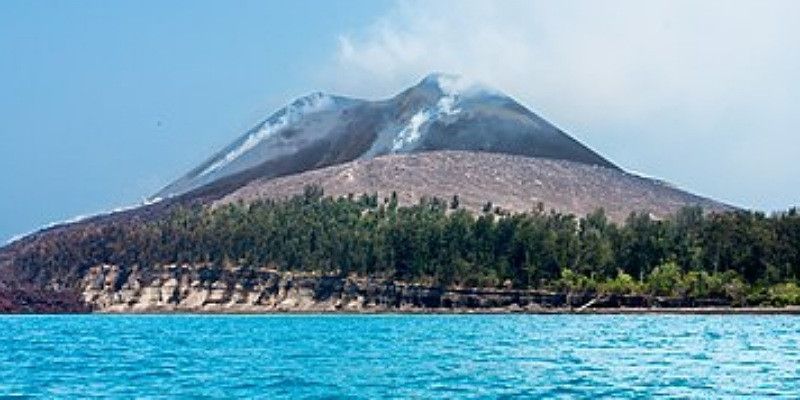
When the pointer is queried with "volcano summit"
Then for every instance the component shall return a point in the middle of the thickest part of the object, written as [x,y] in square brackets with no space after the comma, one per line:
[442,112]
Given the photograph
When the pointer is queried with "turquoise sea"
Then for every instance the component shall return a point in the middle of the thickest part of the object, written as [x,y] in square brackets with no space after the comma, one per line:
[399,356]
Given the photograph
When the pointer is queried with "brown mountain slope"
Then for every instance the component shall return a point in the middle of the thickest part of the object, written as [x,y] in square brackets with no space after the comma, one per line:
[511,182]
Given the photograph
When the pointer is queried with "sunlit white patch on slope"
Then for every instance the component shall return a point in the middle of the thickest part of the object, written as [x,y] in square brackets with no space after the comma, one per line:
[651,178]
[81,217]
[291,114]
[77,218]
[411,132]
[446,106]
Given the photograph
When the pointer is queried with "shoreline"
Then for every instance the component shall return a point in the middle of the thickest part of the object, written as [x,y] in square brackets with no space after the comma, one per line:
[765,311]
[186,290]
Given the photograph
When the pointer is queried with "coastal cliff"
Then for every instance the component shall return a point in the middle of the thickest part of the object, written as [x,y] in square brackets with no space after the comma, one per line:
[187,288]
[208,289]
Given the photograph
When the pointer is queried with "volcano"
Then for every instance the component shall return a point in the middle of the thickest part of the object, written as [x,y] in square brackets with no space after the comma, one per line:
[444,138]
[442,112]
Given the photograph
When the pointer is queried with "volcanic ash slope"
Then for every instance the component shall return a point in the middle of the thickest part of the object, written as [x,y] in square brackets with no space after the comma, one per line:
[513,183]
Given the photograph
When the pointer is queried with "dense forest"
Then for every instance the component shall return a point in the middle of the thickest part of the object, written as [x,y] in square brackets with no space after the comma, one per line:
[746,256]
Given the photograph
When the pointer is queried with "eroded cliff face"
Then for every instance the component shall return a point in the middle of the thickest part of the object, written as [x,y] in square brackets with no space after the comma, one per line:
[188,288]
[214,289]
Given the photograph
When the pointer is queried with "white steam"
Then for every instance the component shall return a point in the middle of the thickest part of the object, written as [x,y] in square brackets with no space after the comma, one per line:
[292,113]
[639,81]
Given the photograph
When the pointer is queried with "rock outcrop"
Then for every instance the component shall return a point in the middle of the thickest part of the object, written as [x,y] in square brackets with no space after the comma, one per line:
[211,289]
[185,288]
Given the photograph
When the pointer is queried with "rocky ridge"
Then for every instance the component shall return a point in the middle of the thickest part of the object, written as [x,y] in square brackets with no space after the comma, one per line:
[210,289]
[191,288]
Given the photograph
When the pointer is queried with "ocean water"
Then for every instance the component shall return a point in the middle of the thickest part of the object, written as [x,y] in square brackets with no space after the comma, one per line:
[399,356]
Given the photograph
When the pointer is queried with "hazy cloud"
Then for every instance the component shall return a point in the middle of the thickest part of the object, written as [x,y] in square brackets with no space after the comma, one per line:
[704,94]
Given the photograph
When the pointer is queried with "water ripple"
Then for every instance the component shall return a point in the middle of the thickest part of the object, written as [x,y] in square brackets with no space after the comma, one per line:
[367,357]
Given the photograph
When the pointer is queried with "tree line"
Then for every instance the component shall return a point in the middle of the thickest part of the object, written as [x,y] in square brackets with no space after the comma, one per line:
[744,255]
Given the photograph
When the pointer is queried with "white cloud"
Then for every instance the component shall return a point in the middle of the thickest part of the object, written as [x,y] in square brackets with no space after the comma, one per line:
[704,94]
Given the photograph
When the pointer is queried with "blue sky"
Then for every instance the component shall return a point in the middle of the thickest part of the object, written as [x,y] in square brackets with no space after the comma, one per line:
[102,103]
